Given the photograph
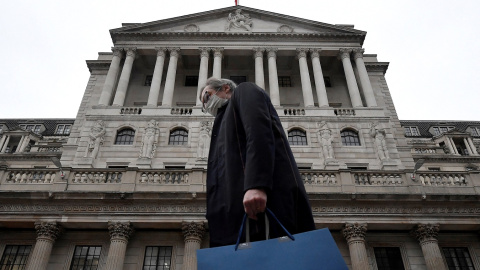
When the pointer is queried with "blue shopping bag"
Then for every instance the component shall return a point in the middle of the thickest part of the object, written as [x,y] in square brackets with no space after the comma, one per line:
[314,250]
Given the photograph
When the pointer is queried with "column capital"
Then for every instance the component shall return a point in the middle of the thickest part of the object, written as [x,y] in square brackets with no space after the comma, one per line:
[354,231]
[271,52]
[315,52]
[174,51]
[161,51]
[258,52]
[358,53]
[193,231]
[344,53]
[301,52]
[217,51]
[425,232]
[49,230]
[117,51]
[131,51]
[121,230]
[204,52]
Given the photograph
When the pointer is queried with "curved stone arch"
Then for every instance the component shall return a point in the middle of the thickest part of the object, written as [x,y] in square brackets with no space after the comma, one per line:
[355,130]
[125,127]
[302,129]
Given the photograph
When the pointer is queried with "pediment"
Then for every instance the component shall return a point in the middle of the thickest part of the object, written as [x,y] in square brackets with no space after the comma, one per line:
[236,19]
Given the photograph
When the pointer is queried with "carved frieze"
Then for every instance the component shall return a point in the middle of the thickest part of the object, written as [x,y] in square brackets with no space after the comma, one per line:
[49,230]
[193,231]
[122,230]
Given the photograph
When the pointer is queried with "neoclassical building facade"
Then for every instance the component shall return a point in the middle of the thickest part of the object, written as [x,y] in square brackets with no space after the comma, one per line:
[122,186]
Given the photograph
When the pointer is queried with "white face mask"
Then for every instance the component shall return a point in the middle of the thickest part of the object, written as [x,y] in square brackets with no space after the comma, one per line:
[214,103]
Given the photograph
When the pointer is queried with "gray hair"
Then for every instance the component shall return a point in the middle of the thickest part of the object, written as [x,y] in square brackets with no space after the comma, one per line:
[217,84]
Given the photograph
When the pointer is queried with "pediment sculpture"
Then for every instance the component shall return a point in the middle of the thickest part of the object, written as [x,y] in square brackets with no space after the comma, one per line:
[239,21]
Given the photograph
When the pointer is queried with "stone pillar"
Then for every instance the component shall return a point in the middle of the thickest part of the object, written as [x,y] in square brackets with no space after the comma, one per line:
[47,233]
[170,81]
[259,75]
[111,77]
[119,235]
[318,75]
[305,78]
[20,144]
[427,234]
[193,233]
[23,144]
[273,76]
[2,141]
[5,145]
[122,87]
[344,55]
[355,235]
[202,73]
[217,62]
[449,145]
[470,141]
[156,78]
[452,143]
[364,80]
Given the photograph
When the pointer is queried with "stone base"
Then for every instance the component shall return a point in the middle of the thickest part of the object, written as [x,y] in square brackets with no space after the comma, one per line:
[331,164]
[144,163]
[389,165]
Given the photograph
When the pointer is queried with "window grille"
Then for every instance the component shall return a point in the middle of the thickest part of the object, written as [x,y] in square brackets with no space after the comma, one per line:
[458,258]
[388,258]
[297,137]
[284,81]
[63,129]
[411,132]
[86,257]
[440,130]
[15,257]
[157,258]
[178,137]
[125,136]
[350,138]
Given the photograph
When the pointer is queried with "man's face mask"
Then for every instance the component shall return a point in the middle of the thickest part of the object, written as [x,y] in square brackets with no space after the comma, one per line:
[214,103]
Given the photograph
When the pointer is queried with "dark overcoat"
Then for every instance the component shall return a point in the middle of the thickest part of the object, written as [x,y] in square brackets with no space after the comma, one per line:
[248,150]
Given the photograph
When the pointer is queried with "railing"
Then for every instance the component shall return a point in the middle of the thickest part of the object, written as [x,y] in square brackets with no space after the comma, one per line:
[181,111]
[424,150]
[443,179]
[45,148]
[294,111]
[319,178]
[344,112]
[30,176]
[370,179]
[132,110]
[164,177]
[89,177]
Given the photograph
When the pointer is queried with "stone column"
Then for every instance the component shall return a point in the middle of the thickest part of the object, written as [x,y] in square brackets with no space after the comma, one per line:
[273,76]
[318,75]
[344,55]
[5,145]
[449,145]
[170,81]
[124,78]
[364,80]
[305,78]
[23,145]
[20,143]
[2,141]
[427,234]
[119,235]
[156,78]
[469,148]
[193,233]
[452,143]
[47,233]
[202,73]
[217,62]
[259,75]
[111,77]
[355,235]
[470,141]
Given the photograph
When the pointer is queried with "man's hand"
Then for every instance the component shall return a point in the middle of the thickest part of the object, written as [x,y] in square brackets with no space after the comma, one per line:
[254,202]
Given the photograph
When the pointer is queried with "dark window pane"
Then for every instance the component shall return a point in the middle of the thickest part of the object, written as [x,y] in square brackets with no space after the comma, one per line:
[350,137]
[458,258]
[157,258]
[284,81]
[297,137]
[388,258]
[148,80]
[15,257]
[86,257]
[178,137]
[125,136]
[191,80]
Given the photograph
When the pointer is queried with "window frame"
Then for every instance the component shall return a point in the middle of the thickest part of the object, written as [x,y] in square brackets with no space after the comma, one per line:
[437,130]
[170,134]
[294,129]
[63,129]
[469,248]
[8,243]
[36,128]
[116,142]
[412,130]
[89,246]
[284,81]
[400,245]
[172,261]
[349,129]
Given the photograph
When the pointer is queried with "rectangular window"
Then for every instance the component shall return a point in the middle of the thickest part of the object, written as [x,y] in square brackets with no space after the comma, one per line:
[33,128]
[148,80]
[440,130]
[63,129]
[238,79]
[475,131]
[388,258]
[86,257]
[191,81]
[411,131]
[158,258]
[284,81]
[327,81]
[458,258]
[15,257]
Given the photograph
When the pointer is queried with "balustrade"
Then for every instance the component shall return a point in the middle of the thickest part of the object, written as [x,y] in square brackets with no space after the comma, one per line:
[424,150]
[294,111]
[369,178]
[344,112]
[30,176]
[164,177]
[45,148]
[91,177]
[319,178]
[181,111]
[132,110]
[443,179]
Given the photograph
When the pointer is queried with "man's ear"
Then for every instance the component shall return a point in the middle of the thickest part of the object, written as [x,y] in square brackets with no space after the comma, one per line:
[226,88]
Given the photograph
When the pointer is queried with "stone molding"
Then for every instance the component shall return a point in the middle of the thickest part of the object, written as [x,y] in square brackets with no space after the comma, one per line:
[377,67]
[161,51]
[344,53]
[98,65]
[271,52]
[193,231]
[425,232]
[358,53]
[204,52]
[49,230]
[354,231]
[258,52]
[122,230]
[315,53]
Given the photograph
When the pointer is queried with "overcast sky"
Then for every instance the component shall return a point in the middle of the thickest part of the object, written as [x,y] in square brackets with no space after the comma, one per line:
[433,48]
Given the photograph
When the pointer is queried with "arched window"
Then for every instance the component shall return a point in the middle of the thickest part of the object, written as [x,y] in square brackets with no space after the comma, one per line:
[350,137]
[125,136]
[297,137]
[178,137]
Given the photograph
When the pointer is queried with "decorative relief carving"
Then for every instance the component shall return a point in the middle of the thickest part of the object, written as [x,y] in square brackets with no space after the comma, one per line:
[131,51]
[239,21]
[301,52]
[354,230]
[379,135]
[161,51]
[120,230]
[174,52]
[96,137]
[50,230]
[150,140]
[193,231]
[204,52]
[425,232]
[204,140]
[326,139]
[191,28]
[344,53]
[258,52]
[358,53]
[271,52]
[315,53]
[285,29]
[117,51]
[217,51]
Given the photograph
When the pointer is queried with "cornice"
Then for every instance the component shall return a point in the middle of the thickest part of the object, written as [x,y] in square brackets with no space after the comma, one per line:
[377,66]
[98,64]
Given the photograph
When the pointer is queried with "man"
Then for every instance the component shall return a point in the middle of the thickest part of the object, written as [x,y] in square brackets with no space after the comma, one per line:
[250,165]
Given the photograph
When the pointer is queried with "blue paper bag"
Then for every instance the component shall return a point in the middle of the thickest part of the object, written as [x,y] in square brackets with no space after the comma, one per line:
[312,250]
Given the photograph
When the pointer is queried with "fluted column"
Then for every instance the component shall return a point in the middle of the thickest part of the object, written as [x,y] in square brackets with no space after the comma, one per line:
[355,235]
[470,141]
[193,233]
[203,72]
[119,235]
[273,76]
[5,145]
[452,143]
[122,87]
[111,77]
[318,75]
[305,78]
[217,62]
[259,75]
[364,80]
[47,233]
[156,78]
[170,81]
[2,141]
[427,234]
[23,145]
[20,144]
[344,55]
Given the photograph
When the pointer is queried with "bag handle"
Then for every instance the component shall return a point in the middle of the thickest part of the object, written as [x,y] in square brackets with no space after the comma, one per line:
[272,215]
